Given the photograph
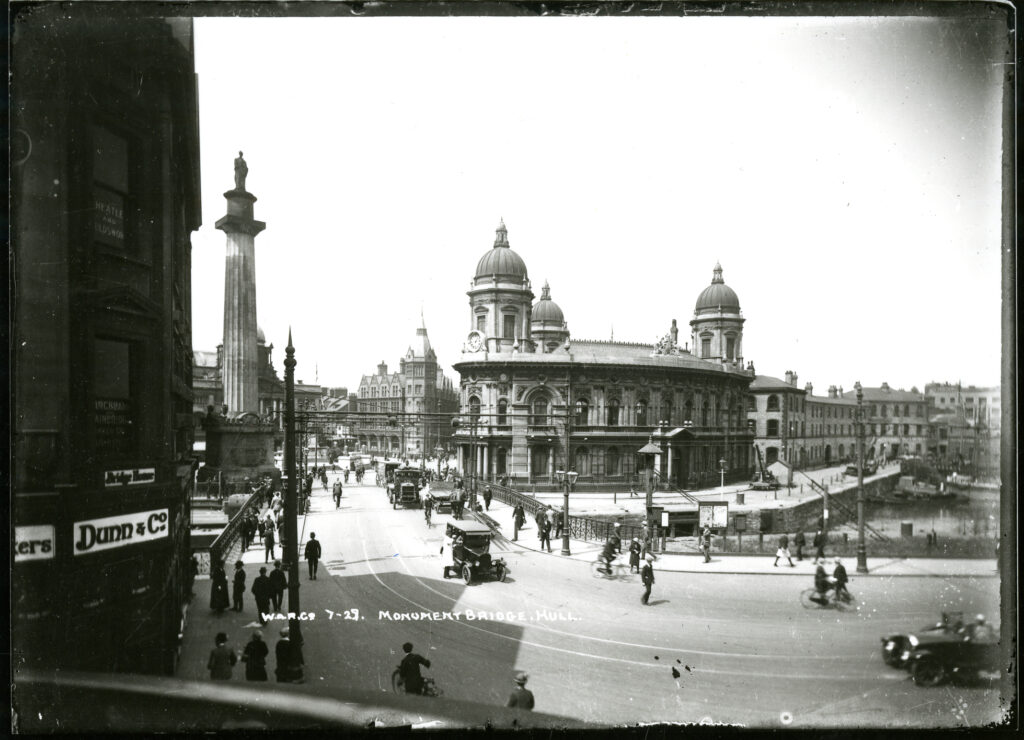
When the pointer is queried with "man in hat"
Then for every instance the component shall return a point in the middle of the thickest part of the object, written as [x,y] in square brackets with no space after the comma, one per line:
[222,658]
[521,697]
[647,576]
[840,578]
[615,539]
[409,670]
[705,544]
[278,583]
[518,520]
[634,556]
[238,586]
[312,555]
[262,591]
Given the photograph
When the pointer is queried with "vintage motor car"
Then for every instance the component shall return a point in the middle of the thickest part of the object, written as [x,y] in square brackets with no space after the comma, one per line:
[406,489]
[471,557]
[441,493]
[934,656]
[895,645]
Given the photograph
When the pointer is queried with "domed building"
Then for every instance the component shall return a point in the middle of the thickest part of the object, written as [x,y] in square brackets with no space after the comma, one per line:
[539,394]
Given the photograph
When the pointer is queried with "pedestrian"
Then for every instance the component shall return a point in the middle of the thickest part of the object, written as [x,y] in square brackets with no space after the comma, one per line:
[538,519]
[647,576]
[819,547]
[289,660]
[262,592]
[487,498]
[218,589]
[559,520]
[238,586]
[521,697]
[645,539]
[337,494]
[783,552]
[277,503]
[800,541]
[840,579]
[255,657]
[634,556]
[518,520]
[221,660]
[278,583]
[268,541]
[706,544]
[545,533]
[616,540]
[312,554]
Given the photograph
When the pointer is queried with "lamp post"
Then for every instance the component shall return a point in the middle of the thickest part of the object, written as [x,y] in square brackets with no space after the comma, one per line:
[568,479]
[721,467]
[862,554]
[291,554]
[650,450]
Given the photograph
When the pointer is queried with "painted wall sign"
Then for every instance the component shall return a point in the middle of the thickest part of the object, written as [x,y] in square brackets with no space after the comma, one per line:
[34,542]
[134,477]
[112,532]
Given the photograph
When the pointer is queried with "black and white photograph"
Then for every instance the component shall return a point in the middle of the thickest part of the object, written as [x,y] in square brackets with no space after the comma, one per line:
[471,366]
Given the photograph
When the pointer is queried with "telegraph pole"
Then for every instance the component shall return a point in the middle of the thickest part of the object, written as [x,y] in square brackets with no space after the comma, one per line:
[291,554]
[862,554]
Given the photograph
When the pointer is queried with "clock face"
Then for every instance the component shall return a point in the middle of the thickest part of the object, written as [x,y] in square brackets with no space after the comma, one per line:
[475,341]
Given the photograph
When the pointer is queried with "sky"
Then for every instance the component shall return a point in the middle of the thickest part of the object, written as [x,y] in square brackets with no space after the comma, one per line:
[845,172]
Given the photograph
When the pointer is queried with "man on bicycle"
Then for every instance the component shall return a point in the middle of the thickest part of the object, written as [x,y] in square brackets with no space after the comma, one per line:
[608,555]
[840,579]
[822,585]
[428,508]
[409,670]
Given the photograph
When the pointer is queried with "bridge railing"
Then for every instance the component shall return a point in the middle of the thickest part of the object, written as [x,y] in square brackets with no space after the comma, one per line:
[231,533]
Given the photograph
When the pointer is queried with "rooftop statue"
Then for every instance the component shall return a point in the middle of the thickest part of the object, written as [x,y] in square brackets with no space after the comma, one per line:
[241,170]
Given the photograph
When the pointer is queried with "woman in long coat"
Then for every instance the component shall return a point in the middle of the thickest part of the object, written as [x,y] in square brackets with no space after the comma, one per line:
[219,600]
[255,658]
[634,555]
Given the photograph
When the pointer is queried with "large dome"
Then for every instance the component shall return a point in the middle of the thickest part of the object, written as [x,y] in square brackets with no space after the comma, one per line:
[716,295]
[546,310]
[501,260]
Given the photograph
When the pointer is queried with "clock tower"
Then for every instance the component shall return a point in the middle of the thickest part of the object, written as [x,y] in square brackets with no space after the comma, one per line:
[500,301]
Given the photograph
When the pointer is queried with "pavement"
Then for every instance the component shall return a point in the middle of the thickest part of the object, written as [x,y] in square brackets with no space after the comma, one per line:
[499,515]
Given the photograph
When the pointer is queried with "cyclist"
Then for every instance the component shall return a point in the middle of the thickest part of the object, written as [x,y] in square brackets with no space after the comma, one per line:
[821,585]
[608,555]
[409,670]
[428,508]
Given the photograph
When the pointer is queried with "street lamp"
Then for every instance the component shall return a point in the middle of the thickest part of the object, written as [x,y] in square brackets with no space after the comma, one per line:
[650,450]
[569,479]
[721,467]
[862,554]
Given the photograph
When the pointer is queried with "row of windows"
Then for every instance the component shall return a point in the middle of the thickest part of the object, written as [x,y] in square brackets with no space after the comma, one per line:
[540,413]
[508,327]
[772,429]
[730,347]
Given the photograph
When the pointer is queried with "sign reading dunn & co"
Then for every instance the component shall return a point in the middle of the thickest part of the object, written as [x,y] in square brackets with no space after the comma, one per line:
[112,532]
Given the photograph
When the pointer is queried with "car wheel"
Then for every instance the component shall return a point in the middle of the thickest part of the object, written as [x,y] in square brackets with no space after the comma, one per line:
[467,574]
[499,572]
[929,672]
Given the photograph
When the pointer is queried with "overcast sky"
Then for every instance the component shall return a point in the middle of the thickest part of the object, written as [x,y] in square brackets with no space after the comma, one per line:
[845,172]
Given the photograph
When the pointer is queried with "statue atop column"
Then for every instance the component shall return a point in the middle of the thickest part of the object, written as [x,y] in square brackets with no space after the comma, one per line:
[241,170]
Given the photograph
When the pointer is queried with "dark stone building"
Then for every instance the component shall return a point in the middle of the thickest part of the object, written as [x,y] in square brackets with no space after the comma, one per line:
[105,185]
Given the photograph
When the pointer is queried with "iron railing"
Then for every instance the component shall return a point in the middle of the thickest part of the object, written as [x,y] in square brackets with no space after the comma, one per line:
[230,534]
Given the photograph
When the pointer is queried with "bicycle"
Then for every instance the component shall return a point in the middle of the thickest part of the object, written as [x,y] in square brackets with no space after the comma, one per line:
[598,569]
[430,687]
[832,600]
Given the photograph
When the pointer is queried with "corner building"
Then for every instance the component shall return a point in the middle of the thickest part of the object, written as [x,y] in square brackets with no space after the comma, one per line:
[105,179]
[533,390]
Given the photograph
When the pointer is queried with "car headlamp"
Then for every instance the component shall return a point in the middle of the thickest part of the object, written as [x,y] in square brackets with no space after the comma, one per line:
[912,640]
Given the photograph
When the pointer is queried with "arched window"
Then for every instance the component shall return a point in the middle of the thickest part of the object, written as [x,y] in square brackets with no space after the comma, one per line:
[841,452]
[666,410]
[612,461]
[582,461]
[540,411]
[704,414]
[613,412]
[474,406]
[705,347]
[730,348]
[641,413]
[773,402]
[773,427]
[502,412]
[582,412]
[689,410]
[509,326]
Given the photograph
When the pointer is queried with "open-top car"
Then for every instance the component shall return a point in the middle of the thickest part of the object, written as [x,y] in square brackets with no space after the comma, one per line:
[471,557]
[896,646]
[955,650]
[441,493]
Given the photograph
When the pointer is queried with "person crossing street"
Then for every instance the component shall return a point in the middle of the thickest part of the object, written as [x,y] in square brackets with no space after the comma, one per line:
[647,576]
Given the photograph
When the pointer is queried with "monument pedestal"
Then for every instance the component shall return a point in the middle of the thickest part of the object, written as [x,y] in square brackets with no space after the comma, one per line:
[240,449]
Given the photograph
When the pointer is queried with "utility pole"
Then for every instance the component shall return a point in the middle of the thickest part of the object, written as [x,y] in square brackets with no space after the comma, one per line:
[568,458]
[291,554]
[862,554]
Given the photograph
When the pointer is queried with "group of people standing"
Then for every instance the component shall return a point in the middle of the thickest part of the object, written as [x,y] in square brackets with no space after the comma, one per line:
[288,655]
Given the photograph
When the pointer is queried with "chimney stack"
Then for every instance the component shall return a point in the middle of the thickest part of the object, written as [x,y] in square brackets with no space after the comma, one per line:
[885,386]
[809,388]
[789,377]
[382,368]
[832,392]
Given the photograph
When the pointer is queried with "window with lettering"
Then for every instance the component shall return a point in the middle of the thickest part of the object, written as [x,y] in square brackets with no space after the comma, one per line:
[112,203]
[114,419]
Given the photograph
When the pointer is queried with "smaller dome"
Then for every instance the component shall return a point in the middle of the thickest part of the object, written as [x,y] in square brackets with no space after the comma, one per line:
[501,260]
[261,338]
[717,295]
[546,310]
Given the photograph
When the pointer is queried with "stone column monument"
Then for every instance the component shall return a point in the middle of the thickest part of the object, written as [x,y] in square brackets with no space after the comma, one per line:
[239,370]
[239,444]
